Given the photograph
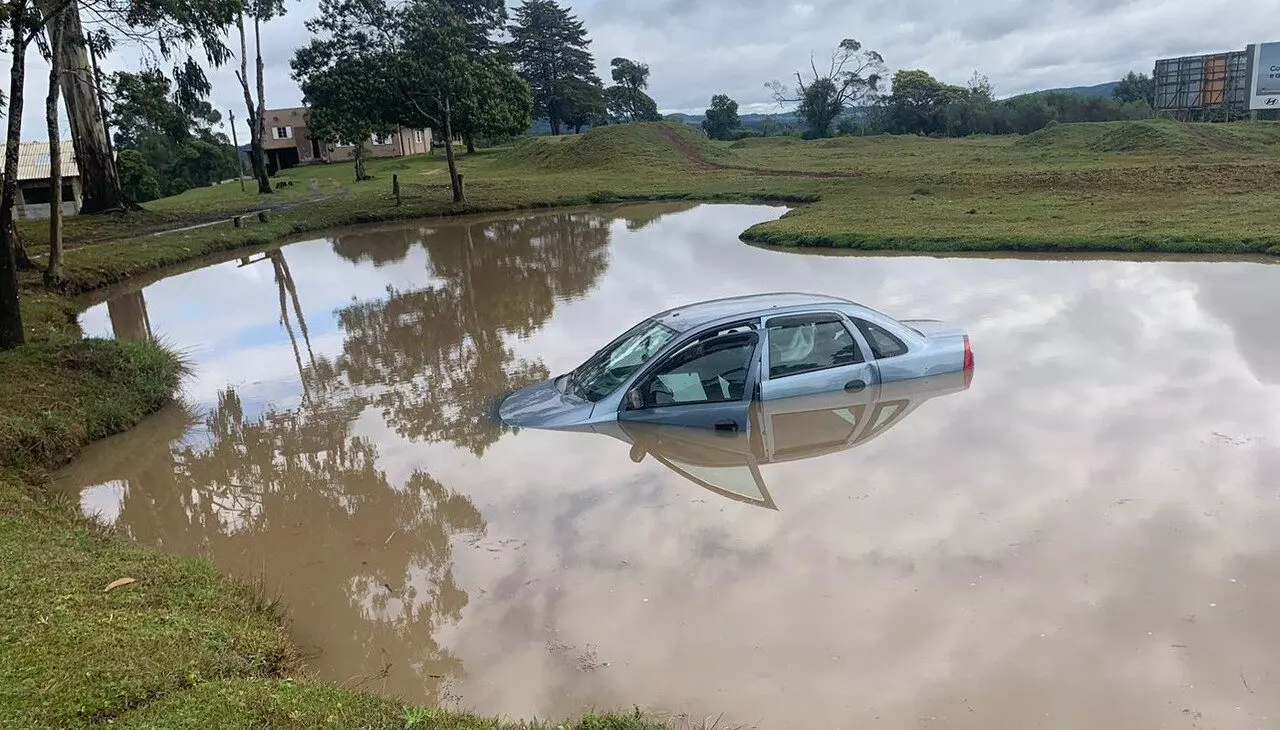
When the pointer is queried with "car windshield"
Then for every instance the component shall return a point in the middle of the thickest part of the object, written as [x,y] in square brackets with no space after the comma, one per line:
[610,368]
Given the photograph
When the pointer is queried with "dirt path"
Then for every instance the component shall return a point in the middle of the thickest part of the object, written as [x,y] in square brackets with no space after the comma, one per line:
[693,155]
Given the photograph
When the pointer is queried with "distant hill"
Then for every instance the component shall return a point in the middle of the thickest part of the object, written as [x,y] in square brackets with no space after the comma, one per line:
[1101,91]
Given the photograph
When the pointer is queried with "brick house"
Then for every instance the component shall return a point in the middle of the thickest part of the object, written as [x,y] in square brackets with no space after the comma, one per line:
[289,143]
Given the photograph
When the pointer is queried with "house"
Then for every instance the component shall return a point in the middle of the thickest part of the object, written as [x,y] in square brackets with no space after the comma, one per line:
[288,142]
[33,180]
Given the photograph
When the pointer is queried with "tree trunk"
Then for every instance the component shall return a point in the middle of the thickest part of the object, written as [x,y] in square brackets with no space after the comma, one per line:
[471,143]
[102,105]
[458,196]
[53,273]
[257,155]
[359,158]
[99,177]
[11,334]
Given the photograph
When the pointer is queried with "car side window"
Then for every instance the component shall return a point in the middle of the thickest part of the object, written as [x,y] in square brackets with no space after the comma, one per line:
[809,342]
[883,343]
[708,370]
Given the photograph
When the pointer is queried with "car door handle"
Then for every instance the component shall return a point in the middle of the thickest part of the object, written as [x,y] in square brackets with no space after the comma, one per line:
[855,386]
[726,425]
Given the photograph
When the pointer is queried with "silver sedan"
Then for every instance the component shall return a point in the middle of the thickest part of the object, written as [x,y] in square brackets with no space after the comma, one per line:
[702,365]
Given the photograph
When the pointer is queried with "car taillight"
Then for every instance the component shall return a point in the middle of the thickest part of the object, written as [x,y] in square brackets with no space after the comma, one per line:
[968,362]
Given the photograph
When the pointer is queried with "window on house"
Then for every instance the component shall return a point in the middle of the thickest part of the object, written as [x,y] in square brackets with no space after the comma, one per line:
[418,136]
[381,140]
[282,132]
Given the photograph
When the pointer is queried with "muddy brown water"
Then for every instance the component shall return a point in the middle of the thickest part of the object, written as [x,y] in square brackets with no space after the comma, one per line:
[1088,536]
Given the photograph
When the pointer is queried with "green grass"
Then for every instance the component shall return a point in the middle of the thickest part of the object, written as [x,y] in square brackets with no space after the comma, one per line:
[1153,185]
[289,705]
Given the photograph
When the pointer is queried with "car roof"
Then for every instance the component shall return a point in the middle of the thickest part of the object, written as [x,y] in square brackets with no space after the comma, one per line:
[689,316]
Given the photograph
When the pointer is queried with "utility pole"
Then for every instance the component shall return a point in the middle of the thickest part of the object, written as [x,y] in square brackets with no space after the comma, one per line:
[231,115]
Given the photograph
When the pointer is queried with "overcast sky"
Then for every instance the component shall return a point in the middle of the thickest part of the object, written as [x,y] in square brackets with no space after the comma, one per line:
[697,48]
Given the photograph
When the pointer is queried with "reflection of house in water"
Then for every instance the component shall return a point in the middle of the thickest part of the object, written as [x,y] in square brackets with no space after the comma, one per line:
[790,429]
[129,320]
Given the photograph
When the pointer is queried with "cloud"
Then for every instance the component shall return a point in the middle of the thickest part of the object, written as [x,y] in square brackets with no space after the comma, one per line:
[699,49]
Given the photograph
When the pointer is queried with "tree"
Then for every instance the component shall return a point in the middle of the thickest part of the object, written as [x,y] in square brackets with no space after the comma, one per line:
[260,11]
[24,24]
[549,47]
[333,89]
[722,117]
[919,103]
[163,29]
[1135,87]
[137,177]
[585,103]
[171,130]
[501,107]
[851,79]
[429,56]
[626,101]
[100,182]
[53,271]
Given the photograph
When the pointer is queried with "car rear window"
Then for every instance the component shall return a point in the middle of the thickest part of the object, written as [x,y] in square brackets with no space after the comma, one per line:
[884,344]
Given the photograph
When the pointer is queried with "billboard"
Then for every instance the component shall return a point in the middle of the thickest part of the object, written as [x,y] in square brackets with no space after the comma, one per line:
[1210,81]
[1264,60]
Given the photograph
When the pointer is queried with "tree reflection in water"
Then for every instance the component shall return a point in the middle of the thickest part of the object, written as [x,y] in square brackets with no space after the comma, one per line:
[438,356]
[290,494]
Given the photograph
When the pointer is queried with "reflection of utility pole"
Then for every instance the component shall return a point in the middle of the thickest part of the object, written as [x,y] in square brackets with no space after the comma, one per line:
[129,320]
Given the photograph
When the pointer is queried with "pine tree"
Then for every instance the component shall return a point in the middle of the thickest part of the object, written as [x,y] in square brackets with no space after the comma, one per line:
[550,50]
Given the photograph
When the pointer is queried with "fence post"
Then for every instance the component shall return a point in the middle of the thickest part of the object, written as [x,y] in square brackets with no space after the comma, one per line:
[395,187]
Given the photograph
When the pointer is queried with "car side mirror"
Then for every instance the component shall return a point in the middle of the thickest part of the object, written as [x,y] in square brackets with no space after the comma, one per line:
[635,399]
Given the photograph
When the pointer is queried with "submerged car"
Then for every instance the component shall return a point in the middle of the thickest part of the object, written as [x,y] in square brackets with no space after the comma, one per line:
[702,365]
[784,430]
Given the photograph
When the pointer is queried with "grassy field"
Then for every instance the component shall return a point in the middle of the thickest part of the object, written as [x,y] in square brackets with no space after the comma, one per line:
[1120,186]
[183,647]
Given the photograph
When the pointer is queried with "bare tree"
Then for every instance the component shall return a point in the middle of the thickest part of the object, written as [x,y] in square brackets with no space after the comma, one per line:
[257,126]
[852,79]
[56,23]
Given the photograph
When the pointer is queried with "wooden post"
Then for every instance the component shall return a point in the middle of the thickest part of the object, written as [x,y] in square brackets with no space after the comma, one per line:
[262,216]
[395,187]
[238,221]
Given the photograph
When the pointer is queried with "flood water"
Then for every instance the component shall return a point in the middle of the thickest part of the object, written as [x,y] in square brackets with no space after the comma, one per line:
[1088,536]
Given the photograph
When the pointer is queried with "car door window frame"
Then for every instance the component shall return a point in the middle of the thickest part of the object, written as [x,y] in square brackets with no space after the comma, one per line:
[753,325]
[766,365]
